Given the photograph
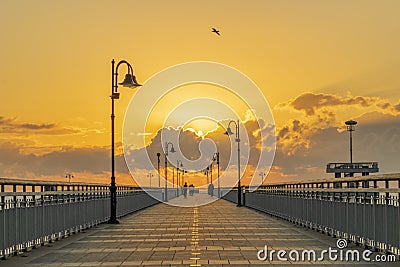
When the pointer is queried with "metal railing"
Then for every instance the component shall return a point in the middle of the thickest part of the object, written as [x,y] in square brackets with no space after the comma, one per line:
[33,213]
[364,210]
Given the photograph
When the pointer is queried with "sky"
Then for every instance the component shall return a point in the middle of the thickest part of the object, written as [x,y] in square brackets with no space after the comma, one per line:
[317,64]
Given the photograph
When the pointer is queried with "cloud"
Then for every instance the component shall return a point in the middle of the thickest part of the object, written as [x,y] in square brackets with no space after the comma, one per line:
[305,144]
[196,152]
[33,126]
[10,126]
[311,102]
[377,138]
[94,160]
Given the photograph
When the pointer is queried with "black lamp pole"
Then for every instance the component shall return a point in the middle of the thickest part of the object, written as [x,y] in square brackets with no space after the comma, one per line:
[229,132]
[129,81]
[178,164]
[158,169]
[219,187]
[166,165]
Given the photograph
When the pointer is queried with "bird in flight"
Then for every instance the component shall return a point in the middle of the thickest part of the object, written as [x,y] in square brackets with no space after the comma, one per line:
[215,30]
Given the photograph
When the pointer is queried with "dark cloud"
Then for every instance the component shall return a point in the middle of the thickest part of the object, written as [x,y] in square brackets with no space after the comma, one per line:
[10,126]
[377,138]
[310,102]
[194,148]
[33,126]
[14,163]
[302,151]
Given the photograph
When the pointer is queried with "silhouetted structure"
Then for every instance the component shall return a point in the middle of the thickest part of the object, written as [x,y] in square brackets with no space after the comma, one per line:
[349,169]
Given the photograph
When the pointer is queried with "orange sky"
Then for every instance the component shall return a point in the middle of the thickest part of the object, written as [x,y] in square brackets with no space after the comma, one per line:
[55,71]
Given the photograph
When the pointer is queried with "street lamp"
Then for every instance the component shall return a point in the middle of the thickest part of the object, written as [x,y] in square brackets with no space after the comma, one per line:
[158,168]
[129,81]
[216,158]
[237,139]
[206,172]
[179,164]
[150,175]
[166,165]
[351,127]
[262,175]
[69,176]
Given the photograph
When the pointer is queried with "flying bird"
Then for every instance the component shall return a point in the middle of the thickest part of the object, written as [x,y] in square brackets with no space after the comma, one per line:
[215,30]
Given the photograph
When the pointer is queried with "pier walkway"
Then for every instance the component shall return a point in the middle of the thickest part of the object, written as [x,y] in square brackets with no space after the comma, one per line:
[218,234]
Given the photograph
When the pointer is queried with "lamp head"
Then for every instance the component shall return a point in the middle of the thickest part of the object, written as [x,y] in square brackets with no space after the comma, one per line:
[228,131]
[130,81]
[172,149]
[181,165]
[350,125]
[350,122]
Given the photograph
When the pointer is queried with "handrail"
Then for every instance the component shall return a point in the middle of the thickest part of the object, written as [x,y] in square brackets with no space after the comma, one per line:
[12,181]
[379,177]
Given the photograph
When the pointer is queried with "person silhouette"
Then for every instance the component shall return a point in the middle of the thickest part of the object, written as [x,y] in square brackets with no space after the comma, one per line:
[211,189]
[185,187]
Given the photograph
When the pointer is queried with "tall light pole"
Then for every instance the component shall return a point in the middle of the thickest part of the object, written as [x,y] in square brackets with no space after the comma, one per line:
[129,81]
[166,165]
[351,127]
[216,158]
[158,168]
[229,132]
[179,164]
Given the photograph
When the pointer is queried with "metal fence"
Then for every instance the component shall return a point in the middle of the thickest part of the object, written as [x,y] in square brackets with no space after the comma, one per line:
[364,210]
[33,213]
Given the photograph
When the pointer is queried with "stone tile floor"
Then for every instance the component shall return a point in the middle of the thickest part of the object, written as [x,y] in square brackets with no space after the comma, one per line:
[217,234]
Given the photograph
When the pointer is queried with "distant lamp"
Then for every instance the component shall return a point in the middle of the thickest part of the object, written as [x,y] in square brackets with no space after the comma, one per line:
[228,131]
[165,167]
[130,81]
[237,139]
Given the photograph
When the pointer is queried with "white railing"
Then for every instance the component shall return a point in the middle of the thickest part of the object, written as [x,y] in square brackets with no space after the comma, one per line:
[364,210]
[33,213]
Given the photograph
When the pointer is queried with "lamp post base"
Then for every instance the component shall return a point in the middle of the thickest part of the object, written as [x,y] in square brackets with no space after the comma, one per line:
[113,221]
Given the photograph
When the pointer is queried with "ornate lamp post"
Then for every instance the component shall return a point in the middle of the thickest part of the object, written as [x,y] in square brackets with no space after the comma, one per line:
[166,165]
[216,158]
[179,164]
[237,139]
[158,168]
[129,81]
